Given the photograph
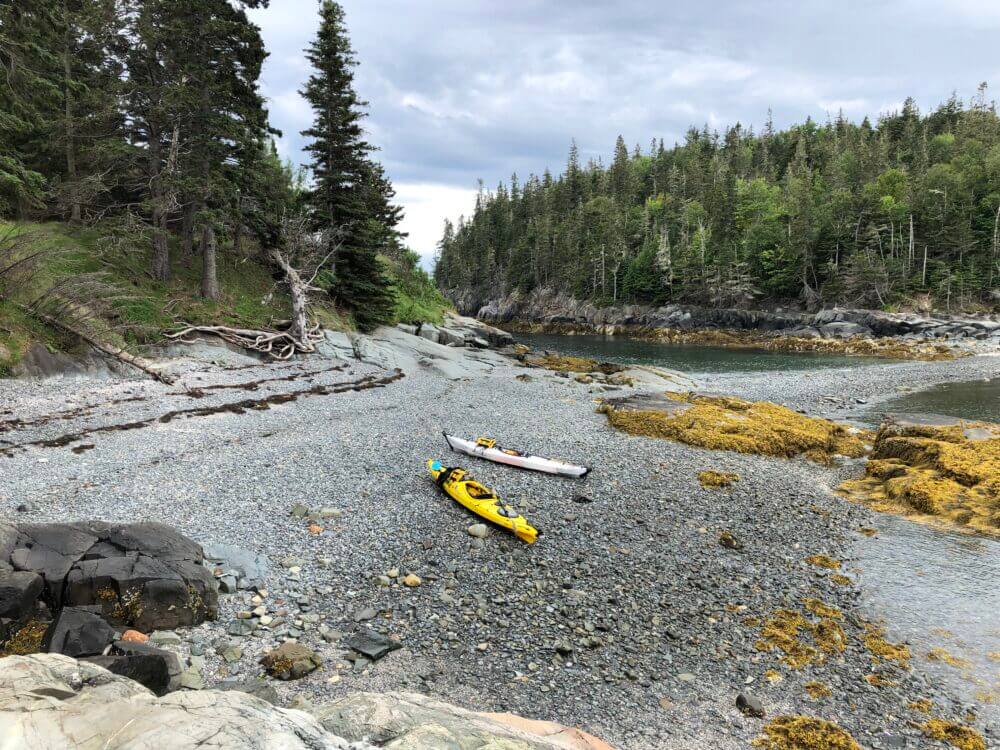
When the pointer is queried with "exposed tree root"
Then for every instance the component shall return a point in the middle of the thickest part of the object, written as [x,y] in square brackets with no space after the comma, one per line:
[280,345]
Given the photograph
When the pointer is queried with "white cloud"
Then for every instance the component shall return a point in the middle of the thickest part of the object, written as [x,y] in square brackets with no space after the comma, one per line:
[439,110]
[701,71]
[290,108]
[848,106]
[427,205]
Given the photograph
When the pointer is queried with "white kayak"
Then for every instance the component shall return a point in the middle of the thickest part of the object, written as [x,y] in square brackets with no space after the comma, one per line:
[487,448]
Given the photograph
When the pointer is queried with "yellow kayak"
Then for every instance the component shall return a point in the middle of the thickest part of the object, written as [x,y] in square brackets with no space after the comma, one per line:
[482,501]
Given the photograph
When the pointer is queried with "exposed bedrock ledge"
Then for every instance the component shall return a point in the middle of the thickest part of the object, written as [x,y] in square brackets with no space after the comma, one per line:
[553,308]
[50,702]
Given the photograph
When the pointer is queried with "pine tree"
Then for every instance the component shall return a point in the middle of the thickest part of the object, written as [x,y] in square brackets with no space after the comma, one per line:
[342,199]
[29,98]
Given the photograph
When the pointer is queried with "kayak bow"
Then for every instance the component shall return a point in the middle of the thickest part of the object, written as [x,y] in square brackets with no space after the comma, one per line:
[482,501]
[487,448]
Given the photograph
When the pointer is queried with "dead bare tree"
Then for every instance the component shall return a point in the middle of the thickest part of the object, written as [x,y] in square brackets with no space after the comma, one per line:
[301,257]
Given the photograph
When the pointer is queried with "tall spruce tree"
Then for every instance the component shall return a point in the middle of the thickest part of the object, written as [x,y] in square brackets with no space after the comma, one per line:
[342,199]
[29,98]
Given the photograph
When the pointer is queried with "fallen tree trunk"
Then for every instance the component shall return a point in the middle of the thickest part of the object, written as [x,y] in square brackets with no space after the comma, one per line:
[133,360]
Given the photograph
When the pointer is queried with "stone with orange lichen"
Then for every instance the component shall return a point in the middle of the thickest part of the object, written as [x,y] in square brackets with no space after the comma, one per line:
[134,636]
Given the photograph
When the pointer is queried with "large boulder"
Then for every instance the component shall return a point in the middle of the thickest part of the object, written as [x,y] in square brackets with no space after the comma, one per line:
[52,702]
[153,668]
[78,631]
[406,721]
[145,575]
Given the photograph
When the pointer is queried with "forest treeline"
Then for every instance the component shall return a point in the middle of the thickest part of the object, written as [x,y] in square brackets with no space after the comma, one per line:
[146,117]
[905,211]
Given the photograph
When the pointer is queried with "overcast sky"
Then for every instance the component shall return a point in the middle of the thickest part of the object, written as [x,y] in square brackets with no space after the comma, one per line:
[467,89]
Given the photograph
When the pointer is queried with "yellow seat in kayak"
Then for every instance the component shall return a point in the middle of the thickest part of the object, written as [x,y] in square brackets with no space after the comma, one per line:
[482,501]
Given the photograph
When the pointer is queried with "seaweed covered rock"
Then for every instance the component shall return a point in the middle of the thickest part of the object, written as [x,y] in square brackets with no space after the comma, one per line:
[290,661]
[712,479]
[804,733]
[934,468]
[955,734]
[561,363]
[726,423]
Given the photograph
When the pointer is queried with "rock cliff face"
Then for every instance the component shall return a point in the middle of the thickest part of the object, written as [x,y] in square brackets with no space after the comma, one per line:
[552,308]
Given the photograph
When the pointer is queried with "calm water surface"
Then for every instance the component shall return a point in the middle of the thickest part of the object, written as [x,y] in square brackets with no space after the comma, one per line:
[979,399]
[686,357]
[937,589]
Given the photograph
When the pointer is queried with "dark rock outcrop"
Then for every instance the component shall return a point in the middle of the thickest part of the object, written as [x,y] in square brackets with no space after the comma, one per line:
[547,307]
[19,591]
[78,631]
[88,578]
[144,575]
[151,667]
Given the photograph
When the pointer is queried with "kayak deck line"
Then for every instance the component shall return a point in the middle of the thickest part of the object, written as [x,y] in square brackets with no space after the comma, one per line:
[459,485]
[487,448]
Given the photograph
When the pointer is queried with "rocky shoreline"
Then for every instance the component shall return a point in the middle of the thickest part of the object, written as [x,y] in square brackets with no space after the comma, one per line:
[629,618]
[548,311]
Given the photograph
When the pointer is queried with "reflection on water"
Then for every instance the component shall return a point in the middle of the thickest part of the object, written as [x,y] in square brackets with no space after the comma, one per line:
[979,399]
[686,357]
[939,590]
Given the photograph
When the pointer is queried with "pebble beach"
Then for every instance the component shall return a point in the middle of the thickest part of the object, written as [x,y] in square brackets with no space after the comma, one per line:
[627,618]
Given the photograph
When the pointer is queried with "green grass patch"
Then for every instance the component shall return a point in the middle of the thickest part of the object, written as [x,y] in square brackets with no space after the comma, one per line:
[417,299]
[250,298]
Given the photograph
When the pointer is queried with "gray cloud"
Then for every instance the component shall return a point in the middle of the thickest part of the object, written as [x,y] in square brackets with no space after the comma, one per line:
[467,90]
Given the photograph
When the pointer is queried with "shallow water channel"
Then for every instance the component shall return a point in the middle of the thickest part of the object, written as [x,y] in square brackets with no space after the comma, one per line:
[687,357]
[978,399]
[932,588]
[939,590]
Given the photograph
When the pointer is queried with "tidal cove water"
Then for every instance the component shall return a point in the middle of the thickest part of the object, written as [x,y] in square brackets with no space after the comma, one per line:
[686,357]
[979,399]
[938,590]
